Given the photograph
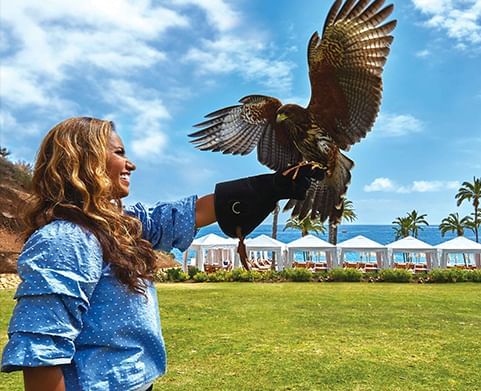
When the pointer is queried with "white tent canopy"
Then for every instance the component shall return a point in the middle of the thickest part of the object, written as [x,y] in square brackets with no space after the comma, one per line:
[264,243]
[312,244]
[459,245]
[413,245]
[361,244]
[211,248]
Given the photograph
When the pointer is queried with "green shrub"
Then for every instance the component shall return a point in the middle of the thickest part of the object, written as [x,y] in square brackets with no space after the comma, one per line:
[475,276]
[297,274]
[218,276]
[370,276]
[256,275]
[350,275]
[176,275]
[241,275]
[160,276]
[192,271]
[451,275]
[200,277]
[271,276]
[396,275]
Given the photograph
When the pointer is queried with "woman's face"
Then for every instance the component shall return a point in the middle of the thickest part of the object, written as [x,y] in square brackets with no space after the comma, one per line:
[118,166]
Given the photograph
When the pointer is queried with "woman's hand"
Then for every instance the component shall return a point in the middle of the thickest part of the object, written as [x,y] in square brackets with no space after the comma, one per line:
[43,379]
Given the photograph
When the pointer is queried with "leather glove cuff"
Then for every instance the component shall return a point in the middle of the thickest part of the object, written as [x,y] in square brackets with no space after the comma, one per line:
[241,205]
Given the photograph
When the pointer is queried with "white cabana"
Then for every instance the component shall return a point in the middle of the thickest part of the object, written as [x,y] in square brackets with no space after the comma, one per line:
[212,249]
[460,245]
[314,246]
[414,247]
[259,246]
[366,248]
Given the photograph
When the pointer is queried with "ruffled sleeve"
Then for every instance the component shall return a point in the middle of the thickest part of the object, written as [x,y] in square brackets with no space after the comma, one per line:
[167,225]
[60,266]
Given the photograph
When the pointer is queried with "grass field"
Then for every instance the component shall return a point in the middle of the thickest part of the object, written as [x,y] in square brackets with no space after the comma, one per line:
[314,336]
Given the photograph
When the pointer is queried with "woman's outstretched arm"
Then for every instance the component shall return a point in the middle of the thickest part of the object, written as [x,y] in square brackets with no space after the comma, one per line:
[204,211]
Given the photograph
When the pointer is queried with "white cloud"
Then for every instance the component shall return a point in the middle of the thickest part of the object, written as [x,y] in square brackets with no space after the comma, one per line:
[247,57]
[148,113]
[380,184]
[244,53]
[460,19]
[423,53]
[54,41]
[388,185]
[219,13]
[151,144]
[396,125]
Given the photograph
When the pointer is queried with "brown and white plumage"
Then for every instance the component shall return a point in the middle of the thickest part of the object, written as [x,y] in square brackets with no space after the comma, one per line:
[345,68]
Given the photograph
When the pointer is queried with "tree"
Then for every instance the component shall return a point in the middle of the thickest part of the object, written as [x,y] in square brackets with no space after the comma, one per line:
[416,221]
[402,227]
[305,225]
[4,152]
[471,191]
[348,214]
[409,225]
[453,223]
[275,219]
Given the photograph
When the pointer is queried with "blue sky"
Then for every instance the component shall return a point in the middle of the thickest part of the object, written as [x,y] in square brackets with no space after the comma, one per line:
[156,67]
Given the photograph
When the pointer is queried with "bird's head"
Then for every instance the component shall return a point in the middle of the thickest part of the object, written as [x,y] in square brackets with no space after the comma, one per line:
[292,116]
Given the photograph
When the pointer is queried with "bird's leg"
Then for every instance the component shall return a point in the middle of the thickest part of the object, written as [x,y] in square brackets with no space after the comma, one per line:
[241,249]
[313,165]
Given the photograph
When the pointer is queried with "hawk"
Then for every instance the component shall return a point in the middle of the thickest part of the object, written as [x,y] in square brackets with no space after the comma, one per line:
[345,68]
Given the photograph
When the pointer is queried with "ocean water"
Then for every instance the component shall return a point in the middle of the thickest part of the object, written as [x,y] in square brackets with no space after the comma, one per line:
[383,234]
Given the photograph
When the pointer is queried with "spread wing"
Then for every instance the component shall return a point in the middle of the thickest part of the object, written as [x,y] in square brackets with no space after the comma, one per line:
[239,129]
[345,68]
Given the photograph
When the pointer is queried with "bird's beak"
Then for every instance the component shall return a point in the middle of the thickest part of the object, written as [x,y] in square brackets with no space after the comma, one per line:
[281,117]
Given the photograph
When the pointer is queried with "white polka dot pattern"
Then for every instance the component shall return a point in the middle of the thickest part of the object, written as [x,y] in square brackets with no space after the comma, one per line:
[72,311]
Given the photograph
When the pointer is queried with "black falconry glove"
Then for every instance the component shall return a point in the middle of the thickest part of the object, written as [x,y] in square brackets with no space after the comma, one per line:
[241,205]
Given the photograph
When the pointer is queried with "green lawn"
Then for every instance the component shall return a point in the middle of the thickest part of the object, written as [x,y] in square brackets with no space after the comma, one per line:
[314,336]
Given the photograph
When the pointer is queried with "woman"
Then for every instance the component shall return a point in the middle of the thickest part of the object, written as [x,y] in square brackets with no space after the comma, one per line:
[87,316]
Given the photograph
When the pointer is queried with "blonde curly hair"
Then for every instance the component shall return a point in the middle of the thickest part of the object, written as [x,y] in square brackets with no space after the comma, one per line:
[70,182]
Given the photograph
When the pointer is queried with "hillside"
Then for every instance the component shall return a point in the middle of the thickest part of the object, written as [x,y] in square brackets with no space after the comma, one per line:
[14,193]
[14,184]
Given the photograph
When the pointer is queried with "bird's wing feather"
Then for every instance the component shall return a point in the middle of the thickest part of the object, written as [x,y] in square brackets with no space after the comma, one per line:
[345,68]
[239,129]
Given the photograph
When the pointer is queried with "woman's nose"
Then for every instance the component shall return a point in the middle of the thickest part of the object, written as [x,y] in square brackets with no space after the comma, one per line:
[131,166]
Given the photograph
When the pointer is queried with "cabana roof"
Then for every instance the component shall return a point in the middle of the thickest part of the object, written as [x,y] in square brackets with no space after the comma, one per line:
[310,242]
[460,244]
[410,244]
[213,240]
[360,243]
[263,241]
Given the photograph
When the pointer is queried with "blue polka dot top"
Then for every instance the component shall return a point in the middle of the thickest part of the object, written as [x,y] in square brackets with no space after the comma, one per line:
[72,311]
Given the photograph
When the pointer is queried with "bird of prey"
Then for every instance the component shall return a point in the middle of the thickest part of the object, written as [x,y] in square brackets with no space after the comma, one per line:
[345,68]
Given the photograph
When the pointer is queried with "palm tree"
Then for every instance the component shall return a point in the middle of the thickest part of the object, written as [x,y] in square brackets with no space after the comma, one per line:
[275,219]
[416,221]
[402,227]
[453,223]
[4,152]
[348,214]
[305,225]
[469,191]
